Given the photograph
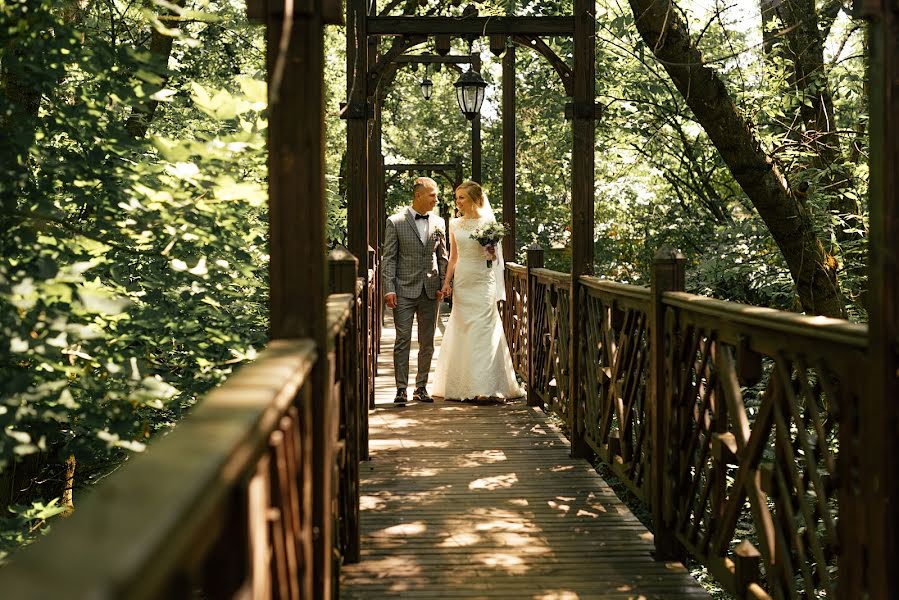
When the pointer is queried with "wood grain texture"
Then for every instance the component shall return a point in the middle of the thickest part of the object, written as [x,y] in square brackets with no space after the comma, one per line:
[877,469]
[483,501]
[509,175]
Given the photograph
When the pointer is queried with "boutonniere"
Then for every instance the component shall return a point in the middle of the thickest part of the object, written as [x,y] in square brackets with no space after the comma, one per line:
[438,234]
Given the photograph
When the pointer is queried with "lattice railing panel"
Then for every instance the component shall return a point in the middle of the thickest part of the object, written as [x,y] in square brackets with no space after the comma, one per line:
[515,317]
[754,444]
[551,310]
[615,358]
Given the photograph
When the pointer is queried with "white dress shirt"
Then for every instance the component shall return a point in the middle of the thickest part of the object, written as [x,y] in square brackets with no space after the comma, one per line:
[421,225]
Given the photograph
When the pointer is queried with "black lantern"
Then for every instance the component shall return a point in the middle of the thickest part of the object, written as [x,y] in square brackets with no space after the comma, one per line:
[427,86]
[470,93]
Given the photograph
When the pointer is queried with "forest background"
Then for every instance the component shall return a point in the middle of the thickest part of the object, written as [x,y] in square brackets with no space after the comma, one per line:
[133,207]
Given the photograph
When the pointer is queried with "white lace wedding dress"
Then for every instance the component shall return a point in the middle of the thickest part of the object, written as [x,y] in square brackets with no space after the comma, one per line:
[474,359]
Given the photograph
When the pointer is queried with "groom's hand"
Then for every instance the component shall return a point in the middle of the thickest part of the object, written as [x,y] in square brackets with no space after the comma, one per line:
[390,300]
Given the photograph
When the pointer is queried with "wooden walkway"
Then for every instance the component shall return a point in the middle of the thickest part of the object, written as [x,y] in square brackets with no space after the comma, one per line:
[483,501]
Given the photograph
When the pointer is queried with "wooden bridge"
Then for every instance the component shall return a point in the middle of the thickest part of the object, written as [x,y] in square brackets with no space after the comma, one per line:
[763,443]
[465,500]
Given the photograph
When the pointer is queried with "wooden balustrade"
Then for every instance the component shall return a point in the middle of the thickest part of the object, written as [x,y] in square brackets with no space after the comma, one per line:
[222,506]
[727,420]
[515,317]
[615,359]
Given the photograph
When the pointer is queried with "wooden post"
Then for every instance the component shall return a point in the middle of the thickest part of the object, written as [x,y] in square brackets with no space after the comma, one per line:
[343,270]
[879,410]
[358,111]
[747,560]
[382,224]
[298,288]
[535,261]
[582,164]
[667,275]
[476,173]
[509,246]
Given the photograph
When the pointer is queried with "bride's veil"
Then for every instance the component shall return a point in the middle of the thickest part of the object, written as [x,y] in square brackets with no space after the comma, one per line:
[499,268]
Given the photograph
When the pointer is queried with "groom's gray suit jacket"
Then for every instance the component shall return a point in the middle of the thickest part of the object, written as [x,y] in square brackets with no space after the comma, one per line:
[409,266]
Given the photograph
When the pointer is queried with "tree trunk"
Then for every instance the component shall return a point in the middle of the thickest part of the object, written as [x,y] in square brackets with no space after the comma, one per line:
[804,53]
[813,269]
[24,79]
[161,49]
[23,98]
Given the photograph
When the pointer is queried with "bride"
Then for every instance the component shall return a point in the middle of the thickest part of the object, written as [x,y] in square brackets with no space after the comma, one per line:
[474,360]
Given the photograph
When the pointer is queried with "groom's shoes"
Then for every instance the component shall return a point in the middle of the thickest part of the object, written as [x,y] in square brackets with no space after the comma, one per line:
[421,394]
[400,396]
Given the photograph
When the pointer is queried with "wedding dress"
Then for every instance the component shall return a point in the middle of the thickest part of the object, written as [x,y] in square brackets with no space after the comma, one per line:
[474,358]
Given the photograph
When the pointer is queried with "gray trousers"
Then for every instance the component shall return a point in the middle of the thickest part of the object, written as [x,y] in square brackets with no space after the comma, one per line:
[425,310]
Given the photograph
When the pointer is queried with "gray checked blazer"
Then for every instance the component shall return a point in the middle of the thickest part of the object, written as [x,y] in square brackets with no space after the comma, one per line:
[409,266]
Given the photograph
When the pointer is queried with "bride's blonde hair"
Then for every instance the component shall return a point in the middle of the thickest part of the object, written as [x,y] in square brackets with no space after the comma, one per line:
[474,192]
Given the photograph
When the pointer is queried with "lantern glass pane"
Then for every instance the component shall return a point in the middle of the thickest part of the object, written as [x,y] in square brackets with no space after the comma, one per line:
[480,99]
[471,98]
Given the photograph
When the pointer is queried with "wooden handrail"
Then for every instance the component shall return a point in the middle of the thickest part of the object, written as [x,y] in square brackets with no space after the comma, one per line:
[770,320]
[557,277]
[136,532]
[614,288]
[520,270]
[340,307]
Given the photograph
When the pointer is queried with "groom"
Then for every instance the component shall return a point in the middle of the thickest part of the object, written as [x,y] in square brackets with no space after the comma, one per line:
[413,266]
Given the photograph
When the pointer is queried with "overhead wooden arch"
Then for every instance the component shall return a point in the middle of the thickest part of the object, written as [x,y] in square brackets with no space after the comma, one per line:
[365,79]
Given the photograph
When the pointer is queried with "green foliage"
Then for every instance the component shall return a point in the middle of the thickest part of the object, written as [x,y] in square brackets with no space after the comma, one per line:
[134,275]
[24,524]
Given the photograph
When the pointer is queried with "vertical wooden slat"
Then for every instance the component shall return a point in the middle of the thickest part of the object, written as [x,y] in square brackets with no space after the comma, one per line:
[509,246]
[535,261]
[298,288]
[584,136]
[879,411]
[257,525]
[667,275]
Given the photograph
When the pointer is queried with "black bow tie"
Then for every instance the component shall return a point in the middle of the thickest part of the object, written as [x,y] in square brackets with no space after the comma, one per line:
[417,217]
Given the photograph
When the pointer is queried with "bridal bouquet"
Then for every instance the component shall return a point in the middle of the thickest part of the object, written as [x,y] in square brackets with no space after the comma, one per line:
[489,236]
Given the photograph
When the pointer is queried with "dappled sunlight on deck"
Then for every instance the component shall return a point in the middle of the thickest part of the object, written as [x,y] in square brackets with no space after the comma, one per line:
[482,501]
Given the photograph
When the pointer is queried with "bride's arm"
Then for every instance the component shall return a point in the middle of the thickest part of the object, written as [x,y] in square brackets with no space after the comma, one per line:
[450,265]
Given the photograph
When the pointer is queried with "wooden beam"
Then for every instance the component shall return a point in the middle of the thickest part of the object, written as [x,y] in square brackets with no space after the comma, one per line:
[420,167]
[560,66]
[471,26]
[430,59]
[298,288]
[582,164]
[357,176]
[381,73]
[879,410]
[509,246]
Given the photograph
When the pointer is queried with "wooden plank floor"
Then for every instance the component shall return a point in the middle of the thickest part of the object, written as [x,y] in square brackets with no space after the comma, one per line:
[483,501]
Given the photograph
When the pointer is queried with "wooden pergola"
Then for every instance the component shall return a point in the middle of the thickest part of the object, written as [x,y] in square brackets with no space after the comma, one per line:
[367,77]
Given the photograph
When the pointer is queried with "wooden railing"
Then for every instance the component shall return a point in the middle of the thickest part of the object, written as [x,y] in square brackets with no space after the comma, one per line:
[515,317]
[736,425]
[615,360]
[222,506]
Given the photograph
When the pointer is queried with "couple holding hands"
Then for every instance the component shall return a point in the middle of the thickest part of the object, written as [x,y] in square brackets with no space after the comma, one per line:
[474,360]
